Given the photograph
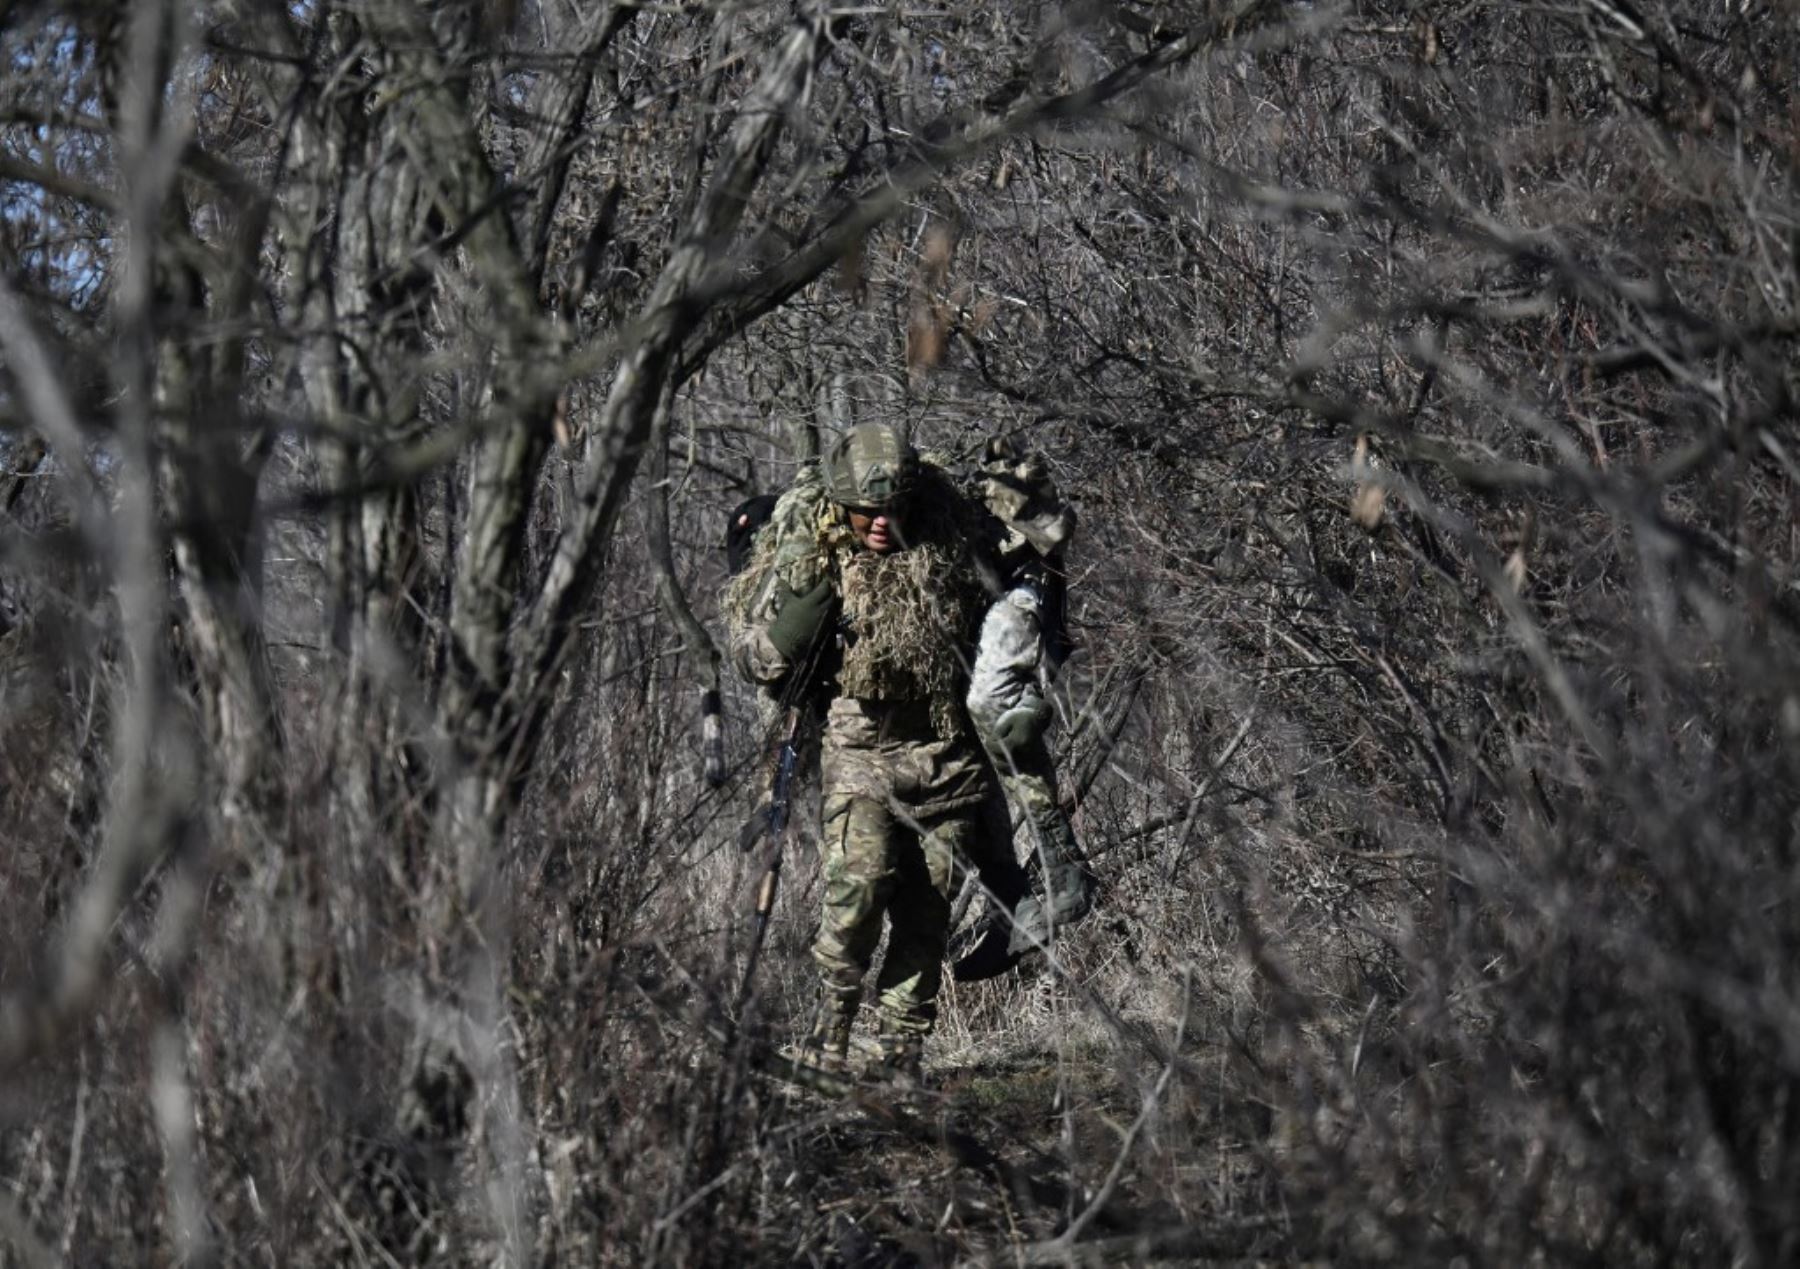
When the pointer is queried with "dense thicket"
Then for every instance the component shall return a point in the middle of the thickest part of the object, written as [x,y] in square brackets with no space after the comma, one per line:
[374,379]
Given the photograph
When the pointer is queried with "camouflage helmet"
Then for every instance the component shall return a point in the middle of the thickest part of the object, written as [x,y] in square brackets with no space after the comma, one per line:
[870,466]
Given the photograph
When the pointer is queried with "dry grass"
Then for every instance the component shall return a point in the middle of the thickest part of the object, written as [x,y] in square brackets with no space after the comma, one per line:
[1423,376]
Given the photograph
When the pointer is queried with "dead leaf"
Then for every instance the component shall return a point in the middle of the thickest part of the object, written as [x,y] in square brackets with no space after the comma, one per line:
[1514,569]
[1428,43]
[559,422]
[940,245]
[1367,506]
[925,338]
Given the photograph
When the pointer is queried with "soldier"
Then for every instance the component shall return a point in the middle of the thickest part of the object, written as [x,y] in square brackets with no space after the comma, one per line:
[1019,649]
[872,557]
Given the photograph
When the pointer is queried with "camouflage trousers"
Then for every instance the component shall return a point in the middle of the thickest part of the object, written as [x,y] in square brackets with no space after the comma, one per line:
[878,863]
[1029,782]
[1064,890]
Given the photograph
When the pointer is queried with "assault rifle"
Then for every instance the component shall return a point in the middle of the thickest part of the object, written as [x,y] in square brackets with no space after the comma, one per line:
[774,817]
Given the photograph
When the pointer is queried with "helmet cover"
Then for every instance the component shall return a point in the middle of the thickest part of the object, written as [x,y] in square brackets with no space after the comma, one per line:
[869,466]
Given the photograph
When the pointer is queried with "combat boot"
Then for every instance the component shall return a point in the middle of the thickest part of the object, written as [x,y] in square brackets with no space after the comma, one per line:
[991,956]
[902,1059]
[1004,939]
[826,1047]
[1068,896]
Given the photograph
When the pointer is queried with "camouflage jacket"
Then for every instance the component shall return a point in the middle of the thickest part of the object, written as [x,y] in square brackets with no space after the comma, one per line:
[1009,669]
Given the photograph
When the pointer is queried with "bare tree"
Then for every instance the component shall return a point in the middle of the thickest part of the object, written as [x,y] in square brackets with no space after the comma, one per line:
[373,378]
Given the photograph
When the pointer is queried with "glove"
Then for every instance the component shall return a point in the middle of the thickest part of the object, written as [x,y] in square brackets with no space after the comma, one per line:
[800,619]
[1018,729]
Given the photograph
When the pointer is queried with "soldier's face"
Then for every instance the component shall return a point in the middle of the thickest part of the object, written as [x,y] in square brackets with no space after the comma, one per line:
[878,530]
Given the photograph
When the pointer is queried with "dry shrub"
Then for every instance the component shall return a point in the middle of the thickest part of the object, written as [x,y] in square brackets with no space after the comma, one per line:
[1423,378]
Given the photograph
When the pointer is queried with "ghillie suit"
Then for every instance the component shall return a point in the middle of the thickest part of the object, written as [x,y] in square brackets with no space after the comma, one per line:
[901,773]
[908,619]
